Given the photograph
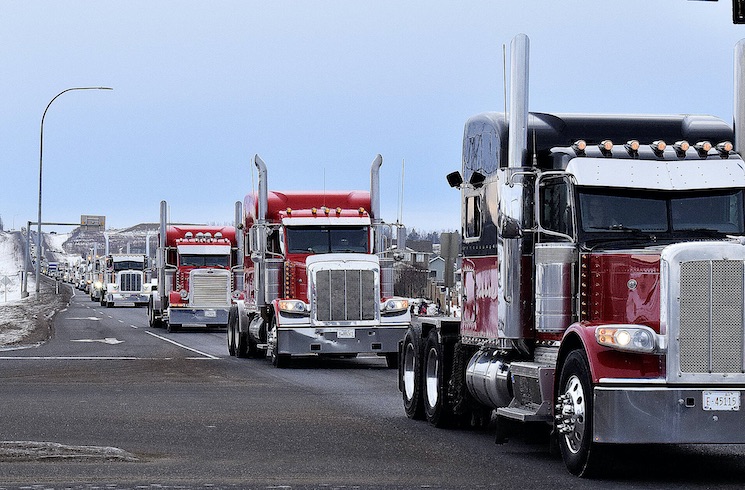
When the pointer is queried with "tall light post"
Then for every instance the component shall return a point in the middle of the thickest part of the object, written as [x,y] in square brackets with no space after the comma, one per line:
[41,154]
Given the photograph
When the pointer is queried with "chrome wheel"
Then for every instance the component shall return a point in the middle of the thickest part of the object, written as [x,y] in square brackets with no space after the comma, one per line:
[408,368]
[431,379]
[571,415]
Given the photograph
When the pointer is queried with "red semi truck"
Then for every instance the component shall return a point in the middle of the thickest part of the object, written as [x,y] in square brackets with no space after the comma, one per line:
[195,277]
[317,280]
[603,269]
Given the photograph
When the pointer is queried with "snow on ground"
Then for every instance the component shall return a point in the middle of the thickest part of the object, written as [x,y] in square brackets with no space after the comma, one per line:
[24,321]
[11,263]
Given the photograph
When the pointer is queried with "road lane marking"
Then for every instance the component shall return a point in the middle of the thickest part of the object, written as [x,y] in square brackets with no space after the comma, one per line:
[107,340]
[209,356]
[133,326]
[85,358]
[94,318]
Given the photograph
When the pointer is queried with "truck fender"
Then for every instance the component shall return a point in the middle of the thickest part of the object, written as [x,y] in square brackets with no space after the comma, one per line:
[242,316]
[579,336]
[274,311]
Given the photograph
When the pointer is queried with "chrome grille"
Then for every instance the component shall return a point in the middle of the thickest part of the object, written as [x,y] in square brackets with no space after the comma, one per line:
[130,281]
[345,295]
[711,316]
[210,287]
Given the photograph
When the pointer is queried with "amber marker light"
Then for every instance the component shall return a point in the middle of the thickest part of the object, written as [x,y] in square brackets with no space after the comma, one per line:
[658,147]
[724,148]
[703,147]
[681,147]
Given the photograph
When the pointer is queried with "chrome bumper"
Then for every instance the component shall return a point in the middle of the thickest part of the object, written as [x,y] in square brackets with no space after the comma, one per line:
[333,340]
[201,316]
[657,415]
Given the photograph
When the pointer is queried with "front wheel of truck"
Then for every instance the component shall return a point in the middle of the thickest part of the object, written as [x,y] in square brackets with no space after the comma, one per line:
[574,420]
[278,360]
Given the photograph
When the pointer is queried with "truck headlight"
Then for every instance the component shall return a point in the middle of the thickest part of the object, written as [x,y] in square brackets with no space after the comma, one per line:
[292,306]
[183,293]
[98,285]
[631,338]
[393,305]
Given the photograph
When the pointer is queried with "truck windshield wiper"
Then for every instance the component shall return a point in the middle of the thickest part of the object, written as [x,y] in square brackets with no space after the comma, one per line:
[617,227]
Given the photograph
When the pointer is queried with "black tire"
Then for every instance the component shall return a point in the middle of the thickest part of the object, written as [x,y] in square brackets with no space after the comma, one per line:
[410,373]
[437,408]
[153,321]
[172,327]
[241,343]
[232,327]
[278,360]
[574,408]
[150,315]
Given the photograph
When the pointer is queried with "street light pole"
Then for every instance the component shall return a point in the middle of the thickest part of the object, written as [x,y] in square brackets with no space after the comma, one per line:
[41,153]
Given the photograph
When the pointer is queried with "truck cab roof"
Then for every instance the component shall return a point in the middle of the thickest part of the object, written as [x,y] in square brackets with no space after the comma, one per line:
[485,136]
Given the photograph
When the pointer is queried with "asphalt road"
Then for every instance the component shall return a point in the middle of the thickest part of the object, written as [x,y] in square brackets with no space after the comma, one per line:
[120,405]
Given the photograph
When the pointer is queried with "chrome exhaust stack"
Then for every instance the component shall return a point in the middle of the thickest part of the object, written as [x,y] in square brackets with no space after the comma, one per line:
[517,149]
[160,255]
[239,233]
[375,202]
[259,255]
[738,124]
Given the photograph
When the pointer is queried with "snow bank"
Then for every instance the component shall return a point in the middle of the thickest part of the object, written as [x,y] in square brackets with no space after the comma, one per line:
[11,262]
[23,320]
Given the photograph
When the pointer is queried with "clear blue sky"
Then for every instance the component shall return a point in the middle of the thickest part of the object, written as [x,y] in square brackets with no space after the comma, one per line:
[317,88]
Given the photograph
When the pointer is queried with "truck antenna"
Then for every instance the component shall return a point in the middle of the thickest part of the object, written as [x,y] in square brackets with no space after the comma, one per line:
[401,194]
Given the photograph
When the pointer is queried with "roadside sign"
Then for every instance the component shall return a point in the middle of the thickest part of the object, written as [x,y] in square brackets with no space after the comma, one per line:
[93,222]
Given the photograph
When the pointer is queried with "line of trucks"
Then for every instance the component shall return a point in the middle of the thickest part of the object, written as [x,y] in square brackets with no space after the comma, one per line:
[603,273]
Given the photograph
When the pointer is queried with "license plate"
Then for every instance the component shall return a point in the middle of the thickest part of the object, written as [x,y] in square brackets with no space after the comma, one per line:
[722,400]
[210,314]
[345,333]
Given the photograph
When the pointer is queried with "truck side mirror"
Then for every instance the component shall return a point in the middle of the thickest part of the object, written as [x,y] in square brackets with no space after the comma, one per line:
[477,180]
[454,179]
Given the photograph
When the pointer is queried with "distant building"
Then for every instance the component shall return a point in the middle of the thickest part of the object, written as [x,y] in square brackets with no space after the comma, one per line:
[418,253]
[437,269]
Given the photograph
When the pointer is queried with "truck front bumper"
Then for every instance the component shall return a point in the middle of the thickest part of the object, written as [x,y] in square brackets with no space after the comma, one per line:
[339,340]
[665,415]
[200,316]
[128,299]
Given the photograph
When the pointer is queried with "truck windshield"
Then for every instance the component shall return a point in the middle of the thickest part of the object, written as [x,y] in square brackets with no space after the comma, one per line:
[613,211]
[126,265]
[327,239]
[205,260]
